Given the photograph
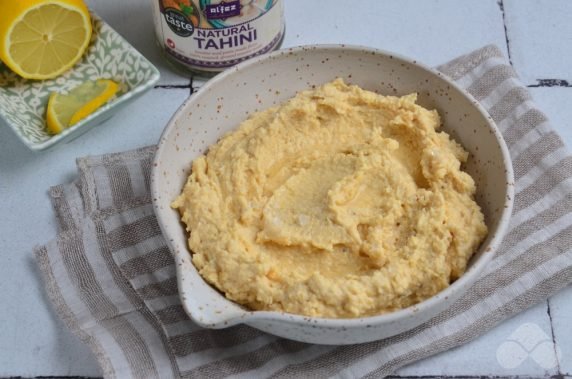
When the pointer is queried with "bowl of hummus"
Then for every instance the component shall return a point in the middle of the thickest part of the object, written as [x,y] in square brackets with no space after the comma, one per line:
[330,194]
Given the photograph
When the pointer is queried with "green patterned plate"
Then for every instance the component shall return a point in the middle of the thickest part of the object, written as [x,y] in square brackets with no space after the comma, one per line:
[23,102]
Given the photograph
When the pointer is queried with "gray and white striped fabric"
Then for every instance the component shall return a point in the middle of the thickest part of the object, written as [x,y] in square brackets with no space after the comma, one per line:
[112,280]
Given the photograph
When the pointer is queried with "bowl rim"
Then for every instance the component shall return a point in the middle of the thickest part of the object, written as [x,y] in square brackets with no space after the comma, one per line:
[452,292]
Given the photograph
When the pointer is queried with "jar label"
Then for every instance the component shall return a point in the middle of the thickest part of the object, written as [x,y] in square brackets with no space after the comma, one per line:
[215,34]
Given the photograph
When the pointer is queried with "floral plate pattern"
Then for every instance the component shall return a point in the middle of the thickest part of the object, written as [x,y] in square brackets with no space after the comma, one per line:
[23,102]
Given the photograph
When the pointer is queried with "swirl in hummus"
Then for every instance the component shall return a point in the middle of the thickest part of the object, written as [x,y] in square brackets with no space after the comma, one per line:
[338,203]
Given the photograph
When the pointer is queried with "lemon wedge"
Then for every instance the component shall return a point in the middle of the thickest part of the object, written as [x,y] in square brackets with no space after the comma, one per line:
[66,110]
[40,39]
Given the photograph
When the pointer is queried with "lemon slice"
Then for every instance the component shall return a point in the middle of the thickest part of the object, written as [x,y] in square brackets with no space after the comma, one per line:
[66,110]
[40,39]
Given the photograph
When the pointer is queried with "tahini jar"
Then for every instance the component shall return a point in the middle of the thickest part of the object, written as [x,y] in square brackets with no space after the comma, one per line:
[208,36]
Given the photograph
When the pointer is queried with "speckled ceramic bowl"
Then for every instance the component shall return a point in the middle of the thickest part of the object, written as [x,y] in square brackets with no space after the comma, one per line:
[229,98]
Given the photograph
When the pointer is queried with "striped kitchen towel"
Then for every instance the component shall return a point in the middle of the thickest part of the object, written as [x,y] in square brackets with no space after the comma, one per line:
[112,280]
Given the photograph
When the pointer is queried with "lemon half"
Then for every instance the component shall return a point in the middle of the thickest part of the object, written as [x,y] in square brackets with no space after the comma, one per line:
[64,111]
[40,39]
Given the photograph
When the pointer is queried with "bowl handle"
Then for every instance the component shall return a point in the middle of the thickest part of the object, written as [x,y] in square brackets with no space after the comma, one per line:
[204,305]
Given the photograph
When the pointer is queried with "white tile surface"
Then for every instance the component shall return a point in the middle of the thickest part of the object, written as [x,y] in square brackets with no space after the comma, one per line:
[430,31]
[561,312]
[479,357]
[34,342]
[540,35]
[555,102]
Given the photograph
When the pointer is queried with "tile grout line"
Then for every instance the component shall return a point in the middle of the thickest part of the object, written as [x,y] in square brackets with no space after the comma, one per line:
[191,86]
[171,86]
[191,82]
[501,6]
[553,336]
[550,83]
[194,88]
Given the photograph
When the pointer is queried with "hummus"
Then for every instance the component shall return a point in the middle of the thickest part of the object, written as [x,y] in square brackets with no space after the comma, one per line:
[338,203]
